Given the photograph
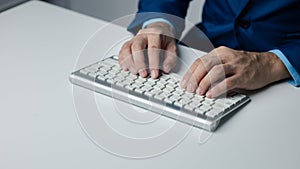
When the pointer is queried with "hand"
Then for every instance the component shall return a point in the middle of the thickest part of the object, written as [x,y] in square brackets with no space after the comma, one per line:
[156,36]
[225,69]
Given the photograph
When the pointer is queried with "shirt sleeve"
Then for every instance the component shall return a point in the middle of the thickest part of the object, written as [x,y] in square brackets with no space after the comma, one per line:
[145,24]
[173,11]
[295,75]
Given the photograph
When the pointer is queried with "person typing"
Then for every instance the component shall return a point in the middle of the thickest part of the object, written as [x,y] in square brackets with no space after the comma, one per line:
[256,44]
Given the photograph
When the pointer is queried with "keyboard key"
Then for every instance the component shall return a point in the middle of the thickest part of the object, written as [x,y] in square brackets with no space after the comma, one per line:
[92,74]
[138,90]
[130,87]
[188,95]
[105,68]
[132,77]
[168,100]
[159,97]
[195,104]
[84,71]
[123,73]
[213,113]
[205,108]
[137,85]
[178,103]
[165,77]
[118,79]
[185,100]
[109,80]
[172,81]
[199,111]
[168,89]
[149,94]
[166,94]
[140,80]
[174,98]
[189,107]
[158,86]
[198,98]
[117,68]
[208,101]
[145,88]
[102,72]
[176,92]
[110,76]
[101,77]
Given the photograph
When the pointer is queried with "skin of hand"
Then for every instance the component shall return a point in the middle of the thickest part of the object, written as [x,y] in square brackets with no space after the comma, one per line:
[155,37]
[225,69]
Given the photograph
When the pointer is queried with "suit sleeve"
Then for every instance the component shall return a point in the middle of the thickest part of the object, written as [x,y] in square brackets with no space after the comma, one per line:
[172,10]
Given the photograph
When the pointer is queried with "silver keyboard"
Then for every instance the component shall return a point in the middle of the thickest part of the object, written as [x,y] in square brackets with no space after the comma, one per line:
[108,78]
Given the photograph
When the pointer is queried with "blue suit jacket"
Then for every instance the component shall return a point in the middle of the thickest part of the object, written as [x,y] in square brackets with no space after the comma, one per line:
[251,25]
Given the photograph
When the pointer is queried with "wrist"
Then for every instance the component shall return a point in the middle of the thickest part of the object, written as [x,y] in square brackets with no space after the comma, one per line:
[161,25]
[277,69]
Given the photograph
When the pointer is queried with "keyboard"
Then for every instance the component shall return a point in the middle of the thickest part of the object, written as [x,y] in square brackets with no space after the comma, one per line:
[163,95]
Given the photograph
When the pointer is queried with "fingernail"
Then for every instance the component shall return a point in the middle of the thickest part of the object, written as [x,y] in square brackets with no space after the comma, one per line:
[183,83]
[209,94]
[167,68]
[191,87]
[154,73]
[142,73]
[198,91]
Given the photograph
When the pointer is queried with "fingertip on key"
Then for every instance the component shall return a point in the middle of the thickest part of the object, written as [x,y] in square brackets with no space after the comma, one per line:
[183,83]
[167,68]
[209,94]
[143,73]
[198,91]
[154,73]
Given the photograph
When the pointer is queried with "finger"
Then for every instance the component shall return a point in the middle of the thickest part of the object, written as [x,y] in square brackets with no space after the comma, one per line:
[189,73]
[137,48]
[223,87]
[216,74]
[170,57]
[154,45]
[206,63]
[125,56]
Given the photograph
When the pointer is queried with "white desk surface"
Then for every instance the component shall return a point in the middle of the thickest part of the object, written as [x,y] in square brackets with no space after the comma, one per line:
[39,44]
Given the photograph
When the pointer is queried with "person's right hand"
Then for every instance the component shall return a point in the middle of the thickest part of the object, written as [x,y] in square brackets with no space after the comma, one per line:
[155,36]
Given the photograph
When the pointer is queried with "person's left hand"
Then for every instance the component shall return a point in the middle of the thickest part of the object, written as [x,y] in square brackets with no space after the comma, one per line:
[225,69]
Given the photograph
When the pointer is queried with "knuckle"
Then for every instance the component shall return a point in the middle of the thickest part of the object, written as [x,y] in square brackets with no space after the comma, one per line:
[230,83]
[173,48]
[219,51]
[207,62]
[222,48]
[154,46]
[126,45]
[229,68]
[136,46]
[198,61]
[218,69]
